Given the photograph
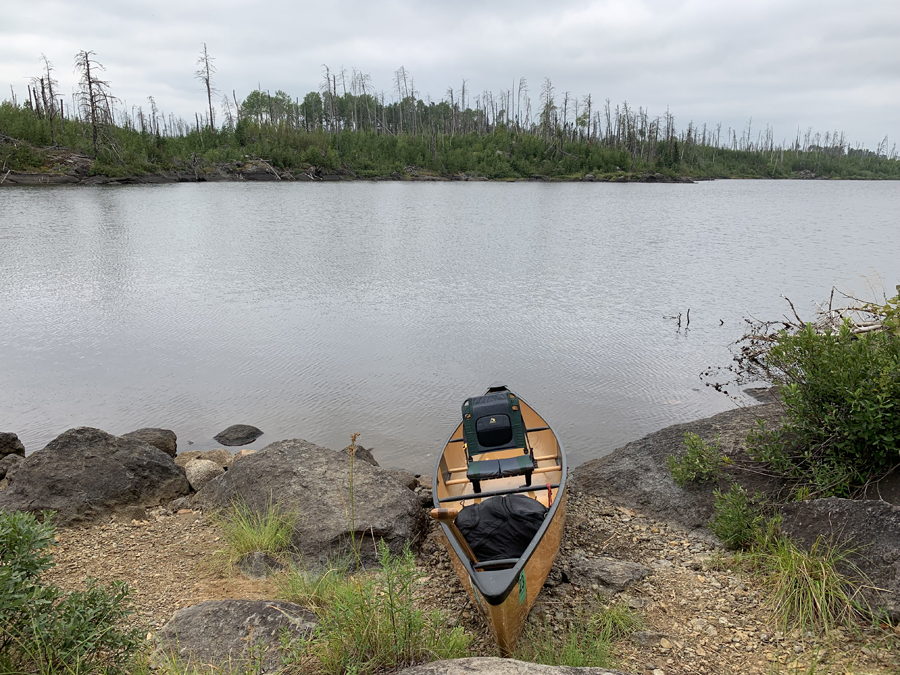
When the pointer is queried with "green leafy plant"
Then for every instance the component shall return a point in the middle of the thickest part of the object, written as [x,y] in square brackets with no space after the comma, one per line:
[888,313]
[737,517]
[699,463]
[45,630]
[841,393]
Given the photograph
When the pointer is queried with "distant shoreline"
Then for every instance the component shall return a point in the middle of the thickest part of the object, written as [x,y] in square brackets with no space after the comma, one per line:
[231,174]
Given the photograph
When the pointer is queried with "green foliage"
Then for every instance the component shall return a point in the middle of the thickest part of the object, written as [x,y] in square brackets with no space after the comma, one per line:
[373,139]
[45,630]
[841,394]
[888,313]
[585,642]
[737,517]
[701,462]
[370,623]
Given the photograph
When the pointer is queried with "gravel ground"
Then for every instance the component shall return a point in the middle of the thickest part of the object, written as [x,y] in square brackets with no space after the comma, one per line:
[698,619]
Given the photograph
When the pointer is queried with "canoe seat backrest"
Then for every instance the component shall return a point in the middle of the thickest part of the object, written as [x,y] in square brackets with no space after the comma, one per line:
[490,423]
[493,422]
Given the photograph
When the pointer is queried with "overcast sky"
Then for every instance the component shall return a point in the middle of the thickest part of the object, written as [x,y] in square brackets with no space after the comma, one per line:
[826,64]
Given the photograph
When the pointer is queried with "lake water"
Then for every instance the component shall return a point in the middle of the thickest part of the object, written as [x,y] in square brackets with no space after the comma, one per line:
[317,310]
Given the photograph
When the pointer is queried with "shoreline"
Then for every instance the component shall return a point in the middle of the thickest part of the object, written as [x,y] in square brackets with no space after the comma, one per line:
[15,178]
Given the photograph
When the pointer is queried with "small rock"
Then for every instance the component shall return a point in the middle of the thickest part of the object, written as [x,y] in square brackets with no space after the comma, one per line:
[647,638]
[219,456]
[364,454]
[259,565]
[10,444]
[200,471]
[238,434]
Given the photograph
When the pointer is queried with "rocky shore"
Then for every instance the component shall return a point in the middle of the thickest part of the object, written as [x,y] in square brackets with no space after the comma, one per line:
[632,537]
[70,168]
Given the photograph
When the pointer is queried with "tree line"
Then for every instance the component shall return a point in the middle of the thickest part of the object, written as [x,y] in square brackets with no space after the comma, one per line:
[348,122]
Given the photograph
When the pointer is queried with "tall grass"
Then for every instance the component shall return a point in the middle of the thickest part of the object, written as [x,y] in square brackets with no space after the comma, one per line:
[245,530]
[811,590]
[586,642]
[370,622]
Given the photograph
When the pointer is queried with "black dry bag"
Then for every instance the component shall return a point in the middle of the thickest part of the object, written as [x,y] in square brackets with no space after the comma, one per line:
[501,527]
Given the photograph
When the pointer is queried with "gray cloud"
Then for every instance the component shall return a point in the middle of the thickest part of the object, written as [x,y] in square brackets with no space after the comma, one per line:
[829,65]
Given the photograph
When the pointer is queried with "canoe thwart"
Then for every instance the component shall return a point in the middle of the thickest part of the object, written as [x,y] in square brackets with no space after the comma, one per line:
[496,493]
[502,562]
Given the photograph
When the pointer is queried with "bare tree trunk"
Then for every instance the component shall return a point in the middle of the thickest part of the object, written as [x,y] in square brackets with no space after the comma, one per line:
[204,74]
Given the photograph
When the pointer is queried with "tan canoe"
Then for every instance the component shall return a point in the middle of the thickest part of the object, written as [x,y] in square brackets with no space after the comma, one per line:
[504,590]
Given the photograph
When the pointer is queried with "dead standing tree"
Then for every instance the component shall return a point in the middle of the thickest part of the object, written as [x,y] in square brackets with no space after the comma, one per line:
[204,74]
[93,95]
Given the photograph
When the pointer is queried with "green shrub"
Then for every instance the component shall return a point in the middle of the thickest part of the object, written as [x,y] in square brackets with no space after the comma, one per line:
[45,630]
[700,462]
[737,517]
[841,394]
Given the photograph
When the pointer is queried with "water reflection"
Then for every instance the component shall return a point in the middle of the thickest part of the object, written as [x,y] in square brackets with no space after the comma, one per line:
[317,310]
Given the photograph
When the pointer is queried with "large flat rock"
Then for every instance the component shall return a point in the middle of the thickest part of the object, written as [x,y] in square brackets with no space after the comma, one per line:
[636,475]
[234,634]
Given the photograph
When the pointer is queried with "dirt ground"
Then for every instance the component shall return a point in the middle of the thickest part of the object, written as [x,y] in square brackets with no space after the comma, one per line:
[698,619]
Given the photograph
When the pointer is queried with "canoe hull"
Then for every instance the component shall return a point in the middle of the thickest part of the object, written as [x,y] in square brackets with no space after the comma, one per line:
[507,619]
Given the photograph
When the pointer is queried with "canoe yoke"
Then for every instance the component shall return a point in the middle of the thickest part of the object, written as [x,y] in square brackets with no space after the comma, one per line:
[491,423]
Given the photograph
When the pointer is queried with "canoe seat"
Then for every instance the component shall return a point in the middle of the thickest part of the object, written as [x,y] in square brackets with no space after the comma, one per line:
[486,469]
[491,423]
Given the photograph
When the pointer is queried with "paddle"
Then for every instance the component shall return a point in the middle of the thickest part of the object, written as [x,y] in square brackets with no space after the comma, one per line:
[448,518]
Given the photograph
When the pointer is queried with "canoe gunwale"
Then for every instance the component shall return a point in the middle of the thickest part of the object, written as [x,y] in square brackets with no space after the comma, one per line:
[496,585]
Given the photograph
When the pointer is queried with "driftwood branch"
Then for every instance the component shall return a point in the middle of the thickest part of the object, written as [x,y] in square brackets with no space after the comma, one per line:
[269,167]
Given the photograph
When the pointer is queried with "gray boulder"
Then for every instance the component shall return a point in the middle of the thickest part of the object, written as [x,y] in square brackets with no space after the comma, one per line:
[491,665]
[7,462]
[10,444]
[200,471]
[86,473]
[314,482]
[234,633]
[637,475]
[365,454]
[164,439]
[869,529]
[609,576]
[238,434]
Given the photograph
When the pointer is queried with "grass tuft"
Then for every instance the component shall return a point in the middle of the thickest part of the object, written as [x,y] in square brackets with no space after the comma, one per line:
[369,622]
[586,642]
[246,530]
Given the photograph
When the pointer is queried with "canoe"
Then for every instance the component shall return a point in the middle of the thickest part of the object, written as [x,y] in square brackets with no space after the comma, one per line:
[504,589]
